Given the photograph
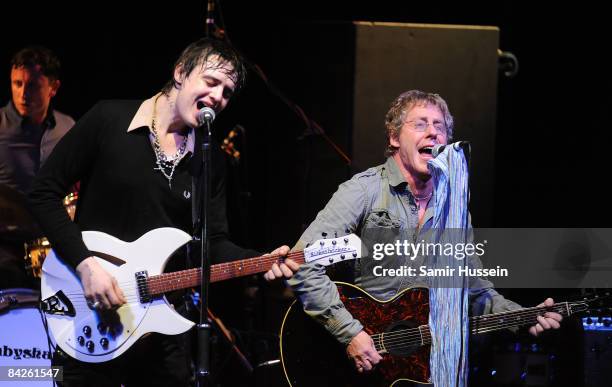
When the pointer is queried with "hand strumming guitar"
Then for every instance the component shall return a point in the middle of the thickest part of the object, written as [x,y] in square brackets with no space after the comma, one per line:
[361,350]
[101,289]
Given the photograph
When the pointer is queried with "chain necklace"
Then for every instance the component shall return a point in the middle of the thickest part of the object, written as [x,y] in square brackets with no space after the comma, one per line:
[163,164]
[421,198]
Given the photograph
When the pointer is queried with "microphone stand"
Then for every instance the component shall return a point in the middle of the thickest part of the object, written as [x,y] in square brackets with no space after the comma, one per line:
[312,127]
[203,192]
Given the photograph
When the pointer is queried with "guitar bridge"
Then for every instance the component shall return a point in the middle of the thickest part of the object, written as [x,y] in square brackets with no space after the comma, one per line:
[143,286]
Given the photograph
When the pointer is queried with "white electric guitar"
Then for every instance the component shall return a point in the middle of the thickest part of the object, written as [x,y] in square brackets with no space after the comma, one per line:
[95,336]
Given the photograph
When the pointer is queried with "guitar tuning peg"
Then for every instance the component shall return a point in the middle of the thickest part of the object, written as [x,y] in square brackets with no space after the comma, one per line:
[335,234]
[347,231]
[324,234]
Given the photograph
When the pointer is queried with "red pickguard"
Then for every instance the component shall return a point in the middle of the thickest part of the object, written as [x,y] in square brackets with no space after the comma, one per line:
[376,317]
[312,357]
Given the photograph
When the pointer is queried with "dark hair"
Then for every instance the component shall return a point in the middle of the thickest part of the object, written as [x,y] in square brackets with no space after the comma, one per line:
[403,104]
[198,53]
[37,55]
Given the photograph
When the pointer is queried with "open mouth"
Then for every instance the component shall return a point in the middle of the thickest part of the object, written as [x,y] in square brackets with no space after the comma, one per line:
[426,150]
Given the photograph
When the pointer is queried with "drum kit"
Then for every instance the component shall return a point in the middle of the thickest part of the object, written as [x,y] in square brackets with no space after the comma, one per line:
[23,340]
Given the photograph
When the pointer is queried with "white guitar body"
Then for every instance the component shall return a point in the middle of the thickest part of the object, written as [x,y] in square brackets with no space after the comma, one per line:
[94,336]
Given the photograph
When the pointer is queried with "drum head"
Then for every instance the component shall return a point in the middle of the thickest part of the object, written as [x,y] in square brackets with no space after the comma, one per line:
[23,341]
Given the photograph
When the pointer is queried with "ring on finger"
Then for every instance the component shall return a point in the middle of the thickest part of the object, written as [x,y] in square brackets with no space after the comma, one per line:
[94,305]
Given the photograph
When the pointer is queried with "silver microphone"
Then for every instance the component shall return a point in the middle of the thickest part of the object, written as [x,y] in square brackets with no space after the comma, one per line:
[439,148]
[205,115]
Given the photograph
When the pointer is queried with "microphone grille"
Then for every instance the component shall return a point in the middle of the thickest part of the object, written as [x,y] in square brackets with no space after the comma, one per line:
[205,114]
[437,149]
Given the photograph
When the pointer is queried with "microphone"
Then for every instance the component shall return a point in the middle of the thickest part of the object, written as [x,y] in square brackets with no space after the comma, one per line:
[205,115]
[439,148]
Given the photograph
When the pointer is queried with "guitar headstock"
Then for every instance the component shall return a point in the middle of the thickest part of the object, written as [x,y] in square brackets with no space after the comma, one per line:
[597,303]
[330,251]
[229,146]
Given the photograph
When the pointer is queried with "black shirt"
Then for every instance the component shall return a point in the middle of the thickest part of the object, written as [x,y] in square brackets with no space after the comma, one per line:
[121,193]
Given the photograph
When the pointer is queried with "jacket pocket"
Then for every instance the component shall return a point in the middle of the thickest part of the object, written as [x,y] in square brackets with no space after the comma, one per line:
[381,218]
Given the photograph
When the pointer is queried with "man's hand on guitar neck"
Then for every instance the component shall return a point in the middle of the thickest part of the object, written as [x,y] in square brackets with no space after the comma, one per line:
[361,350]
[285,269]
[99,286]
[548,321]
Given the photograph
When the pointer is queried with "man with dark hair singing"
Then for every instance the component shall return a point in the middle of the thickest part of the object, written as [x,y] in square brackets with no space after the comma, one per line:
[135,160]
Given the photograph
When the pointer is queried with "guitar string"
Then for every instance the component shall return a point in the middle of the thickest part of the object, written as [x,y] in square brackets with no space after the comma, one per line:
[492,322]
[222,267]
[225,268]
[400,344]
[392,339]
[527,312]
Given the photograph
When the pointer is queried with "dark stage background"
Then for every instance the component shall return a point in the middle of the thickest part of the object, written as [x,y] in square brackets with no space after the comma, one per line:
[550,141]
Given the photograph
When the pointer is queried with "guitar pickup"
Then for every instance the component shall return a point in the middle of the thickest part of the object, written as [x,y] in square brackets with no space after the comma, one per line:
[143,286]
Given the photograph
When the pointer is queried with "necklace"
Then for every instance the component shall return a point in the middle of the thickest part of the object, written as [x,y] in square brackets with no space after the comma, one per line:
[421,198]
[164,165]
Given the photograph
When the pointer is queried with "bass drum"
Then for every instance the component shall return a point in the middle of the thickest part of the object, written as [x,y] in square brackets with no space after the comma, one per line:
[23,341]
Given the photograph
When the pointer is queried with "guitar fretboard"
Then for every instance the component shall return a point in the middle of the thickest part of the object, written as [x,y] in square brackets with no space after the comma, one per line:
[167,282]
[516,318]
[414,337]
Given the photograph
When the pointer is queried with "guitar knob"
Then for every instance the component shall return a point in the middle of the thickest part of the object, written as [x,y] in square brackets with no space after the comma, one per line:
[87,330]
[104,342]
[81,340]
[90,346]
[102,328]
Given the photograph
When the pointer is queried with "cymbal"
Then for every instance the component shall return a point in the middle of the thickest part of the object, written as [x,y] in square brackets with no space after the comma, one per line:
[16,220]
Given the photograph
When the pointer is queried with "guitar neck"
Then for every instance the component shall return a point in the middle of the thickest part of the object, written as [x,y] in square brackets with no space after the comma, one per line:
[517,318]
[478,324]
[167,282]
